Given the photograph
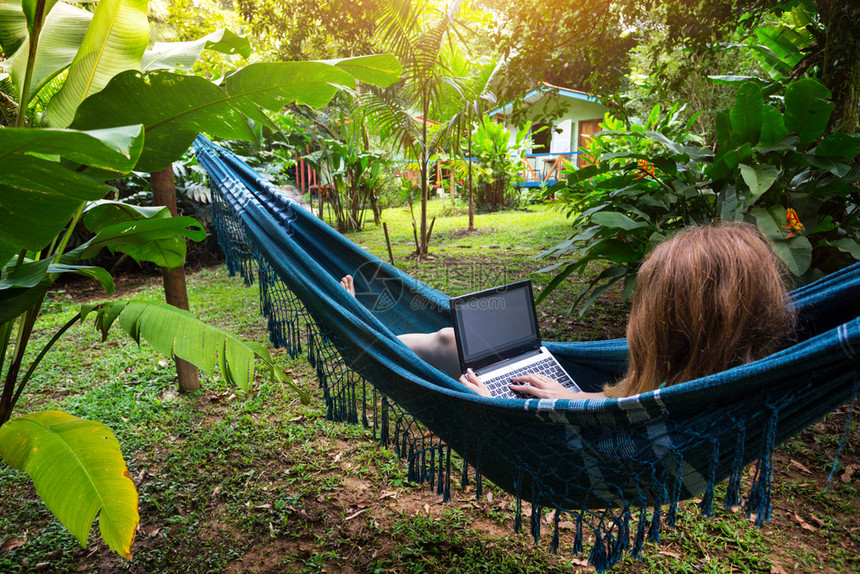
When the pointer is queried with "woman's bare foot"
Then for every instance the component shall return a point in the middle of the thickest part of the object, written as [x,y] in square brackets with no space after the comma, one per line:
[347,284]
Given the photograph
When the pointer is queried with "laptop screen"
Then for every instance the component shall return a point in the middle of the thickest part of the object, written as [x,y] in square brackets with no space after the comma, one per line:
[495,324]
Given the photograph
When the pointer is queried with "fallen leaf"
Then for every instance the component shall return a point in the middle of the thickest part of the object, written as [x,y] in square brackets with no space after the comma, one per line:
[351,516]
[777,569]
[669,554]
[803,524]
[162,363]
[11,544]
[566,524]
[816,520]
[427,508]
[849,472]
[489,497]
[799,466]
[262,506]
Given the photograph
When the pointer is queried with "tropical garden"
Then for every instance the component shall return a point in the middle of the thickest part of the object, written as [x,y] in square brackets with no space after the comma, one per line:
[118,455]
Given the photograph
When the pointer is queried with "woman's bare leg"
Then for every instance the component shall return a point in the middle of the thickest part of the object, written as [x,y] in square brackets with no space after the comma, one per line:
[439,348]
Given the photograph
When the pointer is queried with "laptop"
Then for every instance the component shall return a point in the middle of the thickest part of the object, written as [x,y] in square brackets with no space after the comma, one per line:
[498,338]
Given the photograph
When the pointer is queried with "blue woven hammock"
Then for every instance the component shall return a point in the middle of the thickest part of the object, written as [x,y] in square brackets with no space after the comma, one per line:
[617,465]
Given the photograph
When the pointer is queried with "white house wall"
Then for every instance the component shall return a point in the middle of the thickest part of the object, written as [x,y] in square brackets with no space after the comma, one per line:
[577,110]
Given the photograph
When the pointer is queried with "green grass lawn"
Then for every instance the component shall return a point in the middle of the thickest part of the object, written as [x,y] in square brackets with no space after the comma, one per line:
[258,482]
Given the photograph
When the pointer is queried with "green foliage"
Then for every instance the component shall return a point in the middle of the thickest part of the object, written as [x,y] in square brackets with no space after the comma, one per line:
[51,175]
[773,167]
[63,453]
[496,166]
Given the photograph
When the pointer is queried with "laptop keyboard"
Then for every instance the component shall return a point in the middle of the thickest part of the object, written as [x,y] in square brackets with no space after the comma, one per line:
[548,367]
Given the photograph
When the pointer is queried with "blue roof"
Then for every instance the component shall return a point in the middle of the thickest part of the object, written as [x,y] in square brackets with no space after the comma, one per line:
[542,90]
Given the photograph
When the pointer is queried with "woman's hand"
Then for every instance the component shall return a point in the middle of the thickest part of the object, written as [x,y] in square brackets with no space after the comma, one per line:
[543,387]
[471,381]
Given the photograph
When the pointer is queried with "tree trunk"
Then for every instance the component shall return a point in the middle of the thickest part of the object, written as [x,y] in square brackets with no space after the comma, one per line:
[840,65]
[423,247]
[469,159]
[175,292]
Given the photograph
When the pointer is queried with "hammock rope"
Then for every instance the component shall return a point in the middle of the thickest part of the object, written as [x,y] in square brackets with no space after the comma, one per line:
[604,461]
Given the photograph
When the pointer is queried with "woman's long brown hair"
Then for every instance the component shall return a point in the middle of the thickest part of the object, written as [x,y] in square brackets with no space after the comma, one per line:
[708,299]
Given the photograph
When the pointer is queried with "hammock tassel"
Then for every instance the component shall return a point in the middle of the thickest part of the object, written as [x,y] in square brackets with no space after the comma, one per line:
[672,516]
[599,557]
[733,492]
[846,432]
[654,529]
[707,504]
[446,496]
[759,501]
[383,427]
[577,541]
[479,483]
[639,541]
[553,547]
[518,519]
[536,513]
[464,475]
[622,541]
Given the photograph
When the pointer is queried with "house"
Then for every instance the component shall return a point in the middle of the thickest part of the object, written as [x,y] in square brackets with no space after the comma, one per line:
[577,116]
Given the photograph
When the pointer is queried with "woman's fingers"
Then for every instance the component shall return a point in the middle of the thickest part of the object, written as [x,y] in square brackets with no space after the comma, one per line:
[540,381]
[540,386]
[471,380]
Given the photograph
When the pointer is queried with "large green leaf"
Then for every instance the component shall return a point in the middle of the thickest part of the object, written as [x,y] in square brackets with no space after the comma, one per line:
[77,468]
[759,178]
[116,148]
[39,196]
[772,126]
[114,42]
[615,219]
[807,109]
[746,115]
[380,70]
[795,251]
[27,274]
[13,26]
[183,55]
[173,331]
[101,214]
[839,145]
[175,108]
[161,241]
[63,32]
[15,301]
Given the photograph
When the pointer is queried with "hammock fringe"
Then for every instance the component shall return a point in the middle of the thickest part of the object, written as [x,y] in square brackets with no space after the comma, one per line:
[667,468]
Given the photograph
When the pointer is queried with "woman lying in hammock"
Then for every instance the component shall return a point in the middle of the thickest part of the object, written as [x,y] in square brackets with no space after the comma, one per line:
[708,299]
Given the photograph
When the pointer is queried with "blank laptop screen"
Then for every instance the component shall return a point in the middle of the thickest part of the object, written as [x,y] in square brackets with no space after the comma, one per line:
[496,322]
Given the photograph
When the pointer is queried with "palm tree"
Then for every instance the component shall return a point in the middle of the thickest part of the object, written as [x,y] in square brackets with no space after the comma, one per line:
[416,32]
[475,94]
